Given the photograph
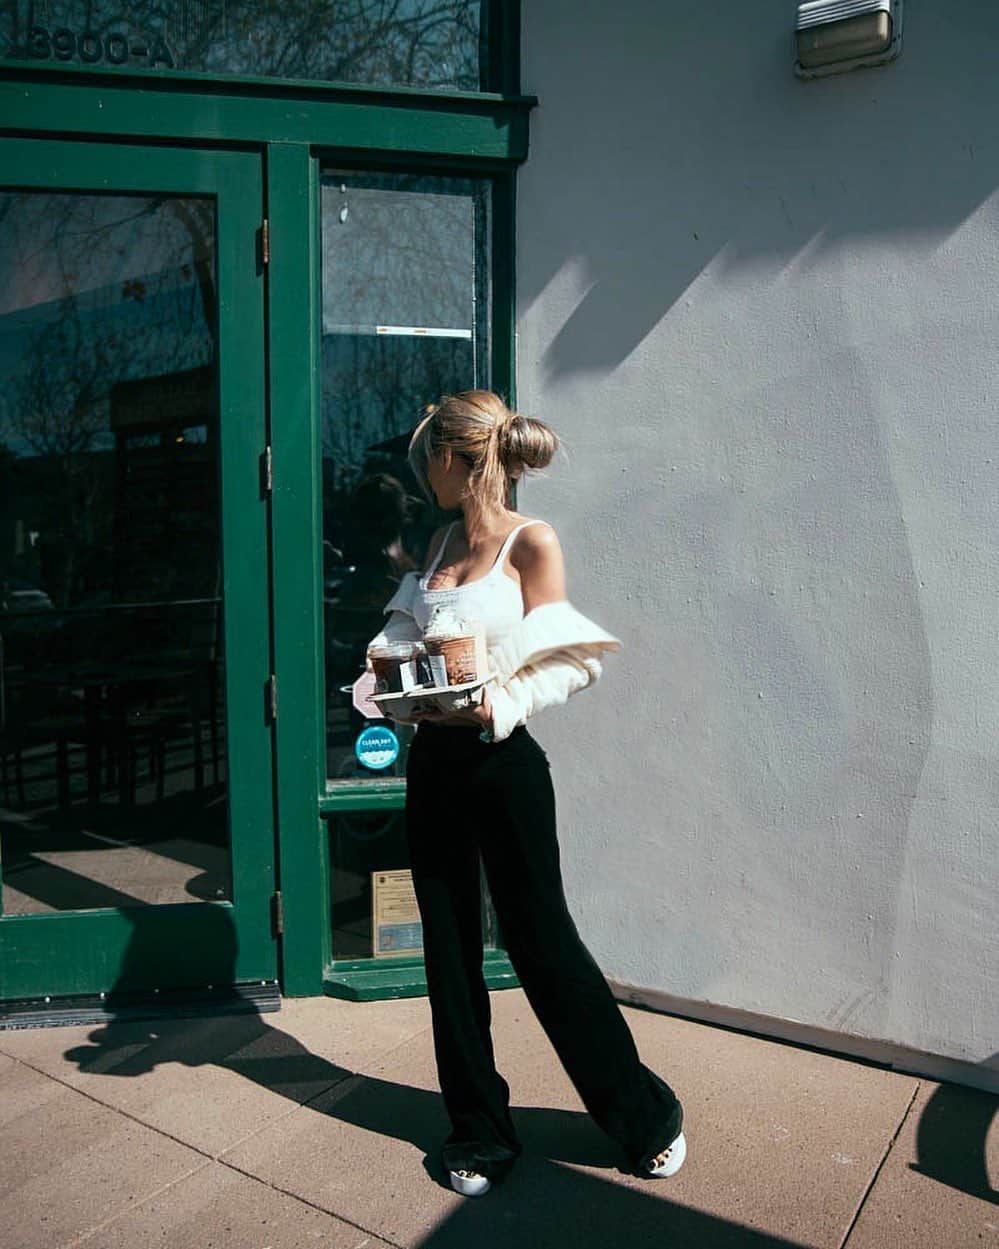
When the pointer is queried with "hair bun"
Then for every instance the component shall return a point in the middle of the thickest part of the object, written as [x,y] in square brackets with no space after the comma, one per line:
[526,443]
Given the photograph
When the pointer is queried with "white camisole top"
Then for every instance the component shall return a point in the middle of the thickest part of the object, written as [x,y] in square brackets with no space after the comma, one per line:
[495,599]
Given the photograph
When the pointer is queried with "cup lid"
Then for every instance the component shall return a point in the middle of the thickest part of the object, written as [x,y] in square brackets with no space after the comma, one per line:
[391,650]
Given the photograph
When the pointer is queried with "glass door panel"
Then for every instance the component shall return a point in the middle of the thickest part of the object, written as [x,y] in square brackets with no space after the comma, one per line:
[366,847]
[405,319]
[113,734]
[132,538]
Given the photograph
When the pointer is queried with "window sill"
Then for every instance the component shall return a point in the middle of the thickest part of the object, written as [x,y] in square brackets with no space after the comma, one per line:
[371,980]
[403,121]
[363,796]
[263,85]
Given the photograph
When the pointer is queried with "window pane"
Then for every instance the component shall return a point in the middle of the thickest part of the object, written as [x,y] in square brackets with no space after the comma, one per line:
[369,859]
[399,253]
[405,320]
[112,745]
[437,44]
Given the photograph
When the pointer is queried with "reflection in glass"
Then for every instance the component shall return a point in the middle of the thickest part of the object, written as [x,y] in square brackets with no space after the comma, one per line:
[363,843]
[405,320]
[112,743]
[439,44]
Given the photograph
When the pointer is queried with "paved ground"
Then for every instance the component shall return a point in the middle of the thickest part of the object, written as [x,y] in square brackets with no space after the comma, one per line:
[319,1124]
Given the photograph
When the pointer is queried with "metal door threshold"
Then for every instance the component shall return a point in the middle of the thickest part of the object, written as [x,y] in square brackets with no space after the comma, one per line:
[255,997]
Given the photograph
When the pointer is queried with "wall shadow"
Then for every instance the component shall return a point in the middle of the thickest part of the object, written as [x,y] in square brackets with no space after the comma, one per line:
[702,148]
[952,1136]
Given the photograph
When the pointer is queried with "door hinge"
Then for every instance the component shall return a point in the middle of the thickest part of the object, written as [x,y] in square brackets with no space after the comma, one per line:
[277,913]
[266,471]
[271,697]
[264,234]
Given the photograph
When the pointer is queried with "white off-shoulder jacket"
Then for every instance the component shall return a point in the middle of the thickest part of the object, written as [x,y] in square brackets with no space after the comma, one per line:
[554,652]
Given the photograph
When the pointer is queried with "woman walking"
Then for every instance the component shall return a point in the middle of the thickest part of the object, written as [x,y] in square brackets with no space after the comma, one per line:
[479,789]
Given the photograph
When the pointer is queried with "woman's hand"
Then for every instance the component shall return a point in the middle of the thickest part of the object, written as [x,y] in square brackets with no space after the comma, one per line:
[479,716]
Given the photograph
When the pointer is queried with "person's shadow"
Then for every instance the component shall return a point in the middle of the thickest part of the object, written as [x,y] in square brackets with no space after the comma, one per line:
[542,1201]
[253,1048]
[138,1037]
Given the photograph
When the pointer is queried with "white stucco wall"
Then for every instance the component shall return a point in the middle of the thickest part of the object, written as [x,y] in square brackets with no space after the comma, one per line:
[764,315]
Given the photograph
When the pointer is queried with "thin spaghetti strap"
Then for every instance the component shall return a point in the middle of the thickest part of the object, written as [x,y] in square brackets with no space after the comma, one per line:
[440,552]
[509,541]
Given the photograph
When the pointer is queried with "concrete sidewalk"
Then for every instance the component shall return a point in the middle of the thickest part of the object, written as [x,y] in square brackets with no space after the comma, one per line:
[319,1125]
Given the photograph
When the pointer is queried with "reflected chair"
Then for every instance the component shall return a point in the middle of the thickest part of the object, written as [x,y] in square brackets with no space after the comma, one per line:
[37,718]
[162,685]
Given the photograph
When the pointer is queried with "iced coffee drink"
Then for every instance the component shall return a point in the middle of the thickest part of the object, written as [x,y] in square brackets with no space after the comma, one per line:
[395,667]
[452,649]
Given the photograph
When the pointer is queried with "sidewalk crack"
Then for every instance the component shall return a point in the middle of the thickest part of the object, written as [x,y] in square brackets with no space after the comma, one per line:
[208,1159]
[83,1237]
[330,1214]
[375,1071]
[115,1110]
[160,1131]
[877,1170]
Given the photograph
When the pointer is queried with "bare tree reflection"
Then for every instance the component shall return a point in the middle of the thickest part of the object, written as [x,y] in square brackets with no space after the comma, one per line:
[98,290]
[402,321]
[430,43]
[405,319]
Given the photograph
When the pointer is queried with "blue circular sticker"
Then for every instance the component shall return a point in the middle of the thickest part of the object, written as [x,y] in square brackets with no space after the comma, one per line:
[377,748]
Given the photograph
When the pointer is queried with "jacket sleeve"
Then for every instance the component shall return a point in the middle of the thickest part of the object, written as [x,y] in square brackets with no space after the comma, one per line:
[547,683]
[400,627]
[553,653]
[401,624]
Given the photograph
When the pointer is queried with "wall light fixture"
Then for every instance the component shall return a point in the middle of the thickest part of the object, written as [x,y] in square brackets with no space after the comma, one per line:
[833,36]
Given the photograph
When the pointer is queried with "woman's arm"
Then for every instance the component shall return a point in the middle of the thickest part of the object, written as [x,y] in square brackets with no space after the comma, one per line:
[548,683]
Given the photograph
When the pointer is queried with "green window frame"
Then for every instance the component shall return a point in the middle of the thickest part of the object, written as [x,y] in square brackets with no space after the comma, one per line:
[294,127]
[360,979]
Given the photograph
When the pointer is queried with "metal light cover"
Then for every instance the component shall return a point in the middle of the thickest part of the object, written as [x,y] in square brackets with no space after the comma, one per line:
[833,36]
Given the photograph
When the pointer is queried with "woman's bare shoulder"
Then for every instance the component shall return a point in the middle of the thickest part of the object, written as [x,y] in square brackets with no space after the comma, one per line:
[537,557]
[536,546]
[537,537]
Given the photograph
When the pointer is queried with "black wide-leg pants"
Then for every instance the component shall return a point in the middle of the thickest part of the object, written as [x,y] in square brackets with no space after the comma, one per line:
[467,798]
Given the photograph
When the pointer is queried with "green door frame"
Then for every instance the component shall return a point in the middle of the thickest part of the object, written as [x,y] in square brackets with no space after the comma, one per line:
[185,944]
[291,126]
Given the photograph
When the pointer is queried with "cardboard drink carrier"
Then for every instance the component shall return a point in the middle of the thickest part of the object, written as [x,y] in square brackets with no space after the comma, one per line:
[455,669]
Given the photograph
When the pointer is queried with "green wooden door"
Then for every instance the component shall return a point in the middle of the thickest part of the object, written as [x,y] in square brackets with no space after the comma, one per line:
[136,796]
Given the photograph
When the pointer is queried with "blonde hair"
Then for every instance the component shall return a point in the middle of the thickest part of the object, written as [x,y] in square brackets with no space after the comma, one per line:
[497,445]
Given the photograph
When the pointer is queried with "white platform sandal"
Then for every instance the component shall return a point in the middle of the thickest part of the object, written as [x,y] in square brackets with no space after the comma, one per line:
[669,1160]
[470,1183]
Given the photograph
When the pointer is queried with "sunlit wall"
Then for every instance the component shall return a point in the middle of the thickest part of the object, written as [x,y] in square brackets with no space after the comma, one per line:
[762,313]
